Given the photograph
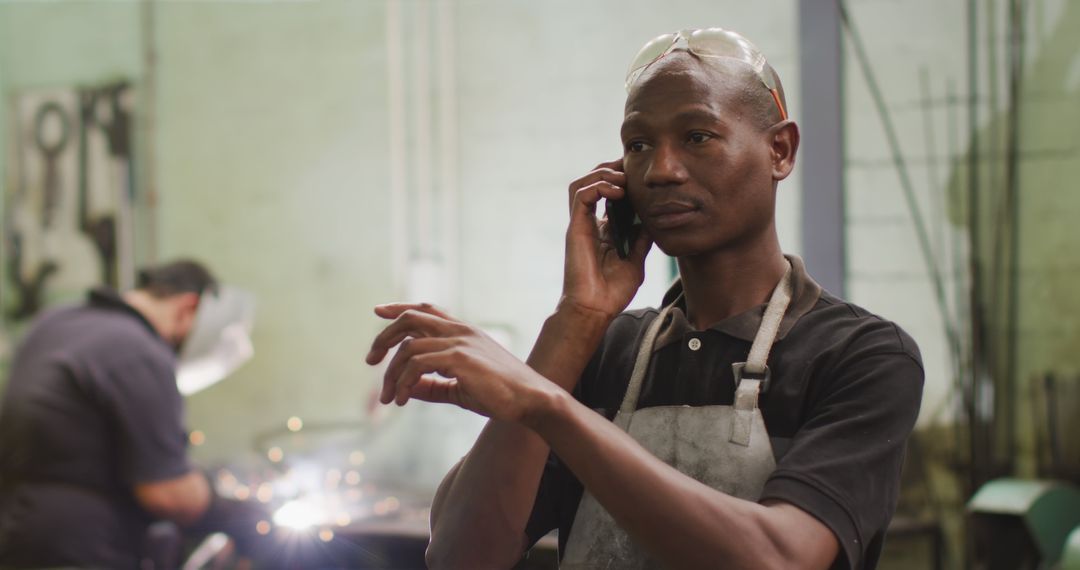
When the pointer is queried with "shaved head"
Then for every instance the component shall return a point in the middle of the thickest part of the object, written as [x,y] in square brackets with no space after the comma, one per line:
[737,82]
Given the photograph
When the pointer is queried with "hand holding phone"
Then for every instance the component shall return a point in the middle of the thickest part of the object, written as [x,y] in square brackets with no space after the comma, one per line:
[593,278]
[623,225]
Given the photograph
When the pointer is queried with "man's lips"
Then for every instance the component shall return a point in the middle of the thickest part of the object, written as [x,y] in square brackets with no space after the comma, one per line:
[669,215]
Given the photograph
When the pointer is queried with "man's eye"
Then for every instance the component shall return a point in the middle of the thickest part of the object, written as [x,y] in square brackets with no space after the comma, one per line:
[636,146]
[698,137]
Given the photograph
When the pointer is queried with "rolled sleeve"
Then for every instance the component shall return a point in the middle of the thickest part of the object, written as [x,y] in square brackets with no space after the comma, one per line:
[843,466]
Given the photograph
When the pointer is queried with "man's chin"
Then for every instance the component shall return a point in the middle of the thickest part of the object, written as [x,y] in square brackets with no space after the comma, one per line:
[688,247]
[675,247]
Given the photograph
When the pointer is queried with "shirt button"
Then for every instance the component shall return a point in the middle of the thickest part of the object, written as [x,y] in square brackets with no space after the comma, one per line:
[694,344]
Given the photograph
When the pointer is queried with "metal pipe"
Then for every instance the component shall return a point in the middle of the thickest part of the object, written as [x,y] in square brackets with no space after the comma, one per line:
[450,203]
[1012,194]
[399,244]
[148,147]
[821,155]
[974,251]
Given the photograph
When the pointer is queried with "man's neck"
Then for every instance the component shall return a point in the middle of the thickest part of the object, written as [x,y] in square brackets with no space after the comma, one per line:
[146,306]
[721,284]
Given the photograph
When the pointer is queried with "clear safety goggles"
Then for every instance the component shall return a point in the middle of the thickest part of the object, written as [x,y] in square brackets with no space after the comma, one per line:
[708,42]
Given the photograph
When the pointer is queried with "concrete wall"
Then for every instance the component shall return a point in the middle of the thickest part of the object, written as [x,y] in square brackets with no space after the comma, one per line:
[920,57]
[886,271]
[271,167]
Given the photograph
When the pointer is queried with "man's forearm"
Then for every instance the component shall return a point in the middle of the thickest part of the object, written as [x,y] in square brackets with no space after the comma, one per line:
[682,521]
[483,504]
[182,499]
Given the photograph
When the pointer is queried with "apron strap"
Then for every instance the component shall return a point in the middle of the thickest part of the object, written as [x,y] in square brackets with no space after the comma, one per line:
[770,326]
[746,397]
[755,369]
[641,364]
[754,375]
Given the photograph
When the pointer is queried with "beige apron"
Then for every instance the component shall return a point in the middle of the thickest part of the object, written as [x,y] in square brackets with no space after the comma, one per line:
[724,447]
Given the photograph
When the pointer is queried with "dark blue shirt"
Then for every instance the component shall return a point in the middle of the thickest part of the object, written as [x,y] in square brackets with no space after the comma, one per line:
[90,409]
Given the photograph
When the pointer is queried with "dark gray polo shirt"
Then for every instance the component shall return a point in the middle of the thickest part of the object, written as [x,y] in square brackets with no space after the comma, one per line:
[91,408]
[845,391]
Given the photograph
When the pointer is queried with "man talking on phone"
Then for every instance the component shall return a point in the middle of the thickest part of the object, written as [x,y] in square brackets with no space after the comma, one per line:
[753,421]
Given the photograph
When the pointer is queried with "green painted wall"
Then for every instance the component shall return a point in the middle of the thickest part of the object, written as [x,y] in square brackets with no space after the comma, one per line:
[272,167]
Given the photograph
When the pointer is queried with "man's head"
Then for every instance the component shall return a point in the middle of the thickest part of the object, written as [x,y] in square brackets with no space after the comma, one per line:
[168,296]
[705,140]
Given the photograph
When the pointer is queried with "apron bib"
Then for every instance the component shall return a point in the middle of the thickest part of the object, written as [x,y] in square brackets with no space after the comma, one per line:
[724,447]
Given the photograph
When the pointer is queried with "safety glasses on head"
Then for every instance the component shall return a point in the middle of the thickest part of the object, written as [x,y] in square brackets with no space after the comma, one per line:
[708,42]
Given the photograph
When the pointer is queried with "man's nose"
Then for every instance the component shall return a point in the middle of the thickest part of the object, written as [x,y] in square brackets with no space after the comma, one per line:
[665,167]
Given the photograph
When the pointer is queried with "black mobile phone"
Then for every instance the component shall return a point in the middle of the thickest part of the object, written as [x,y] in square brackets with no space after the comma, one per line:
[623,225]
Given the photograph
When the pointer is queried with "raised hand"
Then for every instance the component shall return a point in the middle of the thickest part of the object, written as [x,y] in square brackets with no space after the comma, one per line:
[444,360]
[594,277]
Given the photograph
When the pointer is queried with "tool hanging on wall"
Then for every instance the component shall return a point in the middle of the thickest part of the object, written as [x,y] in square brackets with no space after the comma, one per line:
[115,124]
[50,238]
[51,146]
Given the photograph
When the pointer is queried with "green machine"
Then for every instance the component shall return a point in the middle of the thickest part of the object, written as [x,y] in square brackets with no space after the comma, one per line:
[1070,557]
[1025,524]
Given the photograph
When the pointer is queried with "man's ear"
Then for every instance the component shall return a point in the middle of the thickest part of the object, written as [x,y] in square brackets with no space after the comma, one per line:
[783,145]
[188,303]
[189,300]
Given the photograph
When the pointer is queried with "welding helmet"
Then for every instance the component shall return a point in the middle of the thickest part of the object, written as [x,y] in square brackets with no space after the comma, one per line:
[219,341]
